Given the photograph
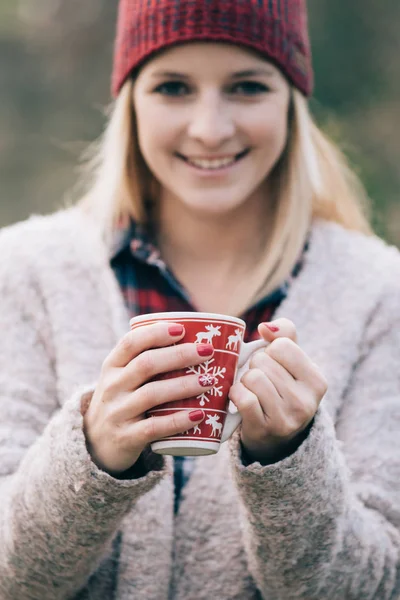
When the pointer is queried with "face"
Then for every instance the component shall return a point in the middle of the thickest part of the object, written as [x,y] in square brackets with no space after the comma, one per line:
[212,123]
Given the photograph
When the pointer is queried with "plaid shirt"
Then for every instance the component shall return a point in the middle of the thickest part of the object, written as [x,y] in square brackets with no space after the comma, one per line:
[149,286]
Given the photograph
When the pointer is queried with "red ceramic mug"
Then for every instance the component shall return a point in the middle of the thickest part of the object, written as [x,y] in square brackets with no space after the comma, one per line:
[229,362]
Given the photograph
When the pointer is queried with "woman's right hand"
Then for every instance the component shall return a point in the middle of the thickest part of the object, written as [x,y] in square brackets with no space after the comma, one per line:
[115,423]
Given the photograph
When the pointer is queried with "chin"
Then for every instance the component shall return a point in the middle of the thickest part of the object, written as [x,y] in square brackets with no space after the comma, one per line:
[214,204]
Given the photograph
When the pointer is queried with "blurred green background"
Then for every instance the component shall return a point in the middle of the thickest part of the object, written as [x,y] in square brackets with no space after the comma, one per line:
[55,62]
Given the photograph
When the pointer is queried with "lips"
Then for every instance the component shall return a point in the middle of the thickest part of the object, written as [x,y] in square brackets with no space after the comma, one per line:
[235,156]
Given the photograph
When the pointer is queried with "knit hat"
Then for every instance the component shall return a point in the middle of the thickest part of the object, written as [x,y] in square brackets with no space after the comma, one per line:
[275,28]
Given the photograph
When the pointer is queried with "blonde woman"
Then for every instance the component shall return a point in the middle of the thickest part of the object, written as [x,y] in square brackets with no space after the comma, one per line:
[212,189]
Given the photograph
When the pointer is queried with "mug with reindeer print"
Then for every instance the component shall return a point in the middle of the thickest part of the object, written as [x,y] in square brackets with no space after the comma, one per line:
[229,361]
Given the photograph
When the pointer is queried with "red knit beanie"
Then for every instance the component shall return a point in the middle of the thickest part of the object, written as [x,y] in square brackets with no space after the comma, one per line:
[275,28]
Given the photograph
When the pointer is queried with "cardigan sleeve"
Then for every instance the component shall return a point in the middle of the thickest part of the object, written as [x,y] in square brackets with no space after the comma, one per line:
[59,512]
[325,521]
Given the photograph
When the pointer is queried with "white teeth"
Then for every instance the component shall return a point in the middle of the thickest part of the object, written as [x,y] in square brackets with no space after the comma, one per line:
[211,164]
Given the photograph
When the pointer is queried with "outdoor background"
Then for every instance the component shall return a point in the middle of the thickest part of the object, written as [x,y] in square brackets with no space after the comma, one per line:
[55,62]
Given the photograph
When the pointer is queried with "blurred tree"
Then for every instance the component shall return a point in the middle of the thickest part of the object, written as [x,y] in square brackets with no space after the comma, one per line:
[356,54]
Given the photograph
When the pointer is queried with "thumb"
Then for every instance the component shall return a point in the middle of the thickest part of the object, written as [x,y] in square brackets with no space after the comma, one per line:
[278,328]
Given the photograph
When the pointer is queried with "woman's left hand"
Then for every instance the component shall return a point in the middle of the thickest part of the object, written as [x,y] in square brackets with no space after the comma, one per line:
[278,396]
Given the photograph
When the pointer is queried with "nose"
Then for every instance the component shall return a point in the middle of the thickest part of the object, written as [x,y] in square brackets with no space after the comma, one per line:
[211,122]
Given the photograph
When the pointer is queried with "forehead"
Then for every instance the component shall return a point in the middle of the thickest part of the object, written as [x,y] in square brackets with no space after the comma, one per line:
[207,56]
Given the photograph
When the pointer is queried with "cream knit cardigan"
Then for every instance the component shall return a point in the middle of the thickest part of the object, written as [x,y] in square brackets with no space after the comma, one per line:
[323,524]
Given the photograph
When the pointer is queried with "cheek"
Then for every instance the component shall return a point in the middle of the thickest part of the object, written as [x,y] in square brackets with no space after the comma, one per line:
[272,135]
[157,134]
[268,129]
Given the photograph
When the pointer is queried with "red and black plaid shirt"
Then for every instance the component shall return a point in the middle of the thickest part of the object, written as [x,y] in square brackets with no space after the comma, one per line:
[149,286]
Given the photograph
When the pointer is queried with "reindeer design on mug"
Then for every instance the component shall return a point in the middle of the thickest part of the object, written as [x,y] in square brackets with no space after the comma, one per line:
[212,331]
[234,340]
[216,427]
[195,430]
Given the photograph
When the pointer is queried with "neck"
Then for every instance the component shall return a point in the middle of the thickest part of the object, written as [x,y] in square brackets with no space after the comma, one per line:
[231,240]
[211,255]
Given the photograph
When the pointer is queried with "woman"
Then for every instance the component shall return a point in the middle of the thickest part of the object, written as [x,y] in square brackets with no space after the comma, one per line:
[213,190]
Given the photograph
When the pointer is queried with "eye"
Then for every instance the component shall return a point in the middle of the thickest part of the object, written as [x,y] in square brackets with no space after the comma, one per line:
[250,88]
[172,88]
[179,88]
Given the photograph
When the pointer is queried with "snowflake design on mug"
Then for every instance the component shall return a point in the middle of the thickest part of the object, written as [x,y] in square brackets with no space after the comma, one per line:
[210,373]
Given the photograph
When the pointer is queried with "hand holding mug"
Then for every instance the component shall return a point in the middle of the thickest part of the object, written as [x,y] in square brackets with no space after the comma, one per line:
[115,423]
[278,395]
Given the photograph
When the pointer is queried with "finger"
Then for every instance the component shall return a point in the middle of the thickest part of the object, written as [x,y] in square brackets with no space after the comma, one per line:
[274,418]
[281,418]
[138,340]
[163,360]
[277,329]
[293,359]
[247,404]
[155,393]
[157,428]
[278,375]
[297,401]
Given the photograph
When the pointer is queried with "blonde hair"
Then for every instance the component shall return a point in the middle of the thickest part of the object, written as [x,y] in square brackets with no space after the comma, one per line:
[311,180]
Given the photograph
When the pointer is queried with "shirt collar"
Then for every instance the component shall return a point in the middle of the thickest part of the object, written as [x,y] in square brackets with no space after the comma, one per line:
[134,236]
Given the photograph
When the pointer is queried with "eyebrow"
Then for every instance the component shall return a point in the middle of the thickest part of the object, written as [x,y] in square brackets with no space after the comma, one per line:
[237,75]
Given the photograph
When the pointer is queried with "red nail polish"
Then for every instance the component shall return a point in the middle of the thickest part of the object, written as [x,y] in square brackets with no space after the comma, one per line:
[196,415]
[207,380]
[175,330]
[205,349]
[272,328]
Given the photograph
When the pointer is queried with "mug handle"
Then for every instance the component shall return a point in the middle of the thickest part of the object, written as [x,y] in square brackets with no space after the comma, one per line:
[233,418]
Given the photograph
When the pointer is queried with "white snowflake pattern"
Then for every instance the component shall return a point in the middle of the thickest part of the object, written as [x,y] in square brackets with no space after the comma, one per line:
[213,372]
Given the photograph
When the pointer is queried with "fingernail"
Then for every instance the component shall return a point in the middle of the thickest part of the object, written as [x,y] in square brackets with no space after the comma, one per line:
[207,380]
[272,328]
[175,330]
[205,349]
[196,415]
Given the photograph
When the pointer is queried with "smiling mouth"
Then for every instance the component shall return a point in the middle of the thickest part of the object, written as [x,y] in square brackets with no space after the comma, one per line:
[219,163]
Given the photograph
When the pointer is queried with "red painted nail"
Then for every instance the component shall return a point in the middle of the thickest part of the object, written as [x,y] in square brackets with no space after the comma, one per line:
[207,380]
[175,330]
[205,349]
[196,415]
[272,328]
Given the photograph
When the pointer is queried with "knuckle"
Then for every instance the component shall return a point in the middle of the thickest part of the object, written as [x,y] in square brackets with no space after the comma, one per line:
[147,394]
[288,427]
[252,376]
[248,402]
[186,385]
[176,423]
[274,369]
[111,384]
[303,410]
[280,347]
[257,360]
[126,343]
[144,363]
[105,364]
[181,354]
[149,429]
